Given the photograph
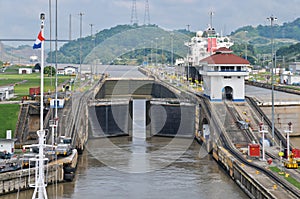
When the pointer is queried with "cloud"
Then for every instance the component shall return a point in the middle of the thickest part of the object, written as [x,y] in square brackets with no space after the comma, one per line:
[22,21]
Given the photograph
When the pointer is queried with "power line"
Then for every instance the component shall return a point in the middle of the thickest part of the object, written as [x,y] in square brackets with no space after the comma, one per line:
[147,13]
[134,18]
[91,25]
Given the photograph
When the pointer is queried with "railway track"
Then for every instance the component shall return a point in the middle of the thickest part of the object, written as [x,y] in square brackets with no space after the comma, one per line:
[223,138]
[278,136]
[228,146]
[245,131]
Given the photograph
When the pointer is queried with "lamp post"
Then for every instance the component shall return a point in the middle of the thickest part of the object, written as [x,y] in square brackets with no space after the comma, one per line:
[188,65]
[151,53]
[94,45]
[156,52]
[80,45]
[172,49]
[162,52]
[272,19]
[246,50]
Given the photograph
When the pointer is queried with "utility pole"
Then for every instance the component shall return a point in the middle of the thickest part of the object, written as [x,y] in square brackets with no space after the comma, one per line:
[272,19]
[70,27]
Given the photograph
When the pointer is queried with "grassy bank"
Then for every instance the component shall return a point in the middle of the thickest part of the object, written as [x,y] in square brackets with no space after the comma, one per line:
[8,118]
[288,178]
[23,82]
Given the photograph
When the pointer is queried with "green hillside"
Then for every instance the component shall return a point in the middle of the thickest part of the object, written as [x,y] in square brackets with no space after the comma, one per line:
[259,42]
[109,45]
[133,44]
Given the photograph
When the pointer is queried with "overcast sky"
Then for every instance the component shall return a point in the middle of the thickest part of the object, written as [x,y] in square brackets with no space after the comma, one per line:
[20,18]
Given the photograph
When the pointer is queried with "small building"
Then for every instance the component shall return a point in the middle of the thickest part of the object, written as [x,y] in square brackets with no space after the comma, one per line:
[295,67]
[60,71]
[33,58]
[289,78]
[224,75]
[59,103]
[6,92]
[71,70]
[25,70]
[7,145]
[179,62]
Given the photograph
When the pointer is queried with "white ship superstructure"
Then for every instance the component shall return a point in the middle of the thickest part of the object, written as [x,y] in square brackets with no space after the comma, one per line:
[204,44]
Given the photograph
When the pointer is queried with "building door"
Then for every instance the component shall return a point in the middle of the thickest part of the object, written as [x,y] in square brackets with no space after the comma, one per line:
[227,93]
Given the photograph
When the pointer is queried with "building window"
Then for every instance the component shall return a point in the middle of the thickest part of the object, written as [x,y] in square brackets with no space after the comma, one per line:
[227,77]
[239,68]
[227,68]
[239,77]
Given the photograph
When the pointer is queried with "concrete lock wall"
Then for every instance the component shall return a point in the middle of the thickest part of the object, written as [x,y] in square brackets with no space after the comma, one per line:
[13,181]
[171,119]
[114,119]
[131,88]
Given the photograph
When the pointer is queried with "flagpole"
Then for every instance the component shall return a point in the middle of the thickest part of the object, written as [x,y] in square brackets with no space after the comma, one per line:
[40,186]
[42,80]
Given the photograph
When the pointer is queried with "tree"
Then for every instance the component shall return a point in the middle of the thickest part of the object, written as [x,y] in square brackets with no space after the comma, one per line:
[37,67]
[47,70]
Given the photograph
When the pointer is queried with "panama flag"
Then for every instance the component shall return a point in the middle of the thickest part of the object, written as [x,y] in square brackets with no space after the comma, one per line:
[38,41]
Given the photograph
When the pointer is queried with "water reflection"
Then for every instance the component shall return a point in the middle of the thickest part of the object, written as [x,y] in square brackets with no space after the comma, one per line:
[188,177]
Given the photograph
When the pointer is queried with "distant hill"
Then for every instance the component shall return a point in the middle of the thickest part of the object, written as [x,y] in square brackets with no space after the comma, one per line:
[258,39]
[15,55]
[110,45]
[128,44]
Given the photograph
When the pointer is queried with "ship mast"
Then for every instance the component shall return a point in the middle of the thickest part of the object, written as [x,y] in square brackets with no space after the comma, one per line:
[210,32]
[40,186]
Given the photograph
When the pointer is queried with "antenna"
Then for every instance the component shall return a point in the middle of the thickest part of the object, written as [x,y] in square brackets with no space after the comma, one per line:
[147,14]
[211,13]
[134,19]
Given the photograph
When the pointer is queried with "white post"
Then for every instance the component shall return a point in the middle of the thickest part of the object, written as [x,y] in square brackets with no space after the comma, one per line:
[263,145]
[288,139]
[263,131]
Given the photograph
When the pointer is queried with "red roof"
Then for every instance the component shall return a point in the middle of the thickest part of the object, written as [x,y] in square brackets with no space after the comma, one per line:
[225,56]
[224,50]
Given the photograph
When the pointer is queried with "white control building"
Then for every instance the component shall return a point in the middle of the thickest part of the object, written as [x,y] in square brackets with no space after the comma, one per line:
[224,76]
